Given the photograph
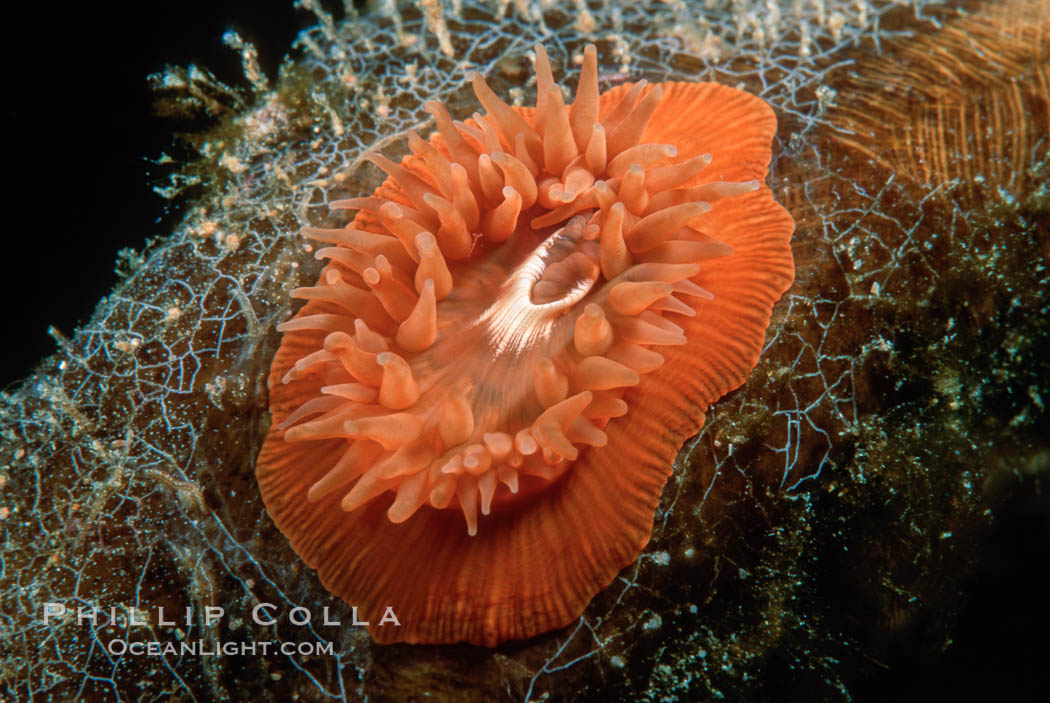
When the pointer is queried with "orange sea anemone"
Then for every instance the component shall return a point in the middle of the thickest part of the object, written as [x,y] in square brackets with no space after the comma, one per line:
[478,406]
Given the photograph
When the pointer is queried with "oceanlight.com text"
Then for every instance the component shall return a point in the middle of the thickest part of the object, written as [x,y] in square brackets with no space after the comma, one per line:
[206,648]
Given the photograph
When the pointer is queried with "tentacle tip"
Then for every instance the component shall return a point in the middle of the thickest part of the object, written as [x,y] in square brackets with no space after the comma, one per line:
[397,517]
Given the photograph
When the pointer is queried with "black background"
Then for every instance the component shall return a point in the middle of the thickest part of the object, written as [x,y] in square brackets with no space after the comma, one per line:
[79,132]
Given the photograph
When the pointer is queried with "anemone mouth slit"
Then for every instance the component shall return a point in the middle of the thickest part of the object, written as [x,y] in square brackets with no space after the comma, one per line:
[559,273]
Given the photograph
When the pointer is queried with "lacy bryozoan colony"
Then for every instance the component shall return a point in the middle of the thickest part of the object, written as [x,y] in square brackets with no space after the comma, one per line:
[478,406]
